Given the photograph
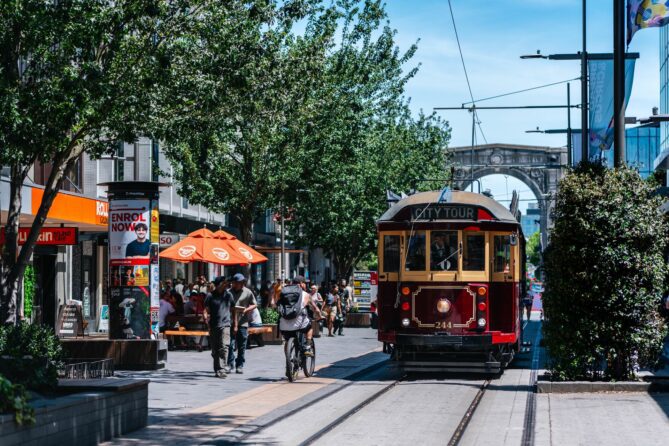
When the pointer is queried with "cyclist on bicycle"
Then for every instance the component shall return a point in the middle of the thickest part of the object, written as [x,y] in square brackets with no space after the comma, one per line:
[293,310]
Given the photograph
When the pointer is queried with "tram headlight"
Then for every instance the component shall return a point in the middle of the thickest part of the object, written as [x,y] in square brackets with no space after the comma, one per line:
[443,306]
[481,322]
[405,322]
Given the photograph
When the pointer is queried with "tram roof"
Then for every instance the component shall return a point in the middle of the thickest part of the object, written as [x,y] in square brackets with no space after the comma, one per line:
[458,197]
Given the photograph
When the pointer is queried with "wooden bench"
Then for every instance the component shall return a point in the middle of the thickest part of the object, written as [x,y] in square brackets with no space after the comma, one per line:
[183,332]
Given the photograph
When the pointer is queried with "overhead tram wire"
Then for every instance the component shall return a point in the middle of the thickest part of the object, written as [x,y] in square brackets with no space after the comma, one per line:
[464,67]
[521,91]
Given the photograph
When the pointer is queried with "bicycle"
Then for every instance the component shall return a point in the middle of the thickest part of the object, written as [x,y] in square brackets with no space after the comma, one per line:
[295,357]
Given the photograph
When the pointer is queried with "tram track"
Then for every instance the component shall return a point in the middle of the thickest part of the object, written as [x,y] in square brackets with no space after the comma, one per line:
[466,418]
[333,424]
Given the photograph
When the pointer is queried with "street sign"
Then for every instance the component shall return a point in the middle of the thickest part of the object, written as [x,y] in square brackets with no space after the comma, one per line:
[47,236]
[365,288]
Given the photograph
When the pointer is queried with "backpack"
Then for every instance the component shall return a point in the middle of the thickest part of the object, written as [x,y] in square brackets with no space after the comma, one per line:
[289,302]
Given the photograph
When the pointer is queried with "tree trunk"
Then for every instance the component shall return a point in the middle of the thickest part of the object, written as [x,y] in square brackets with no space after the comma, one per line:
[13,265]
[246,236]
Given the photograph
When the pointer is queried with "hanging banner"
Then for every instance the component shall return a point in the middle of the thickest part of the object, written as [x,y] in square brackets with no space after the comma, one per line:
[601,105]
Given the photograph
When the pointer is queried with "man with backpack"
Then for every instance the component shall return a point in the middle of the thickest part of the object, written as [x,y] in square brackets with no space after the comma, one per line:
[292,306]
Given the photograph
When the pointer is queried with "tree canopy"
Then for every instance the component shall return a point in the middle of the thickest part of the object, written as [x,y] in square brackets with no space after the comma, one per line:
[533,249]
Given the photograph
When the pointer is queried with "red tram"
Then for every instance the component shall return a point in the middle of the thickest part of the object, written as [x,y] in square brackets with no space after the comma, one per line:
[451,279]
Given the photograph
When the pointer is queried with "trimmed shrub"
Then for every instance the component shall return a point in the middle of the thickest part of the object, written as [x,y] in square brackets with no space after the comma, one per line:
[30,355]
[605,275]
[269,315]
[14,399]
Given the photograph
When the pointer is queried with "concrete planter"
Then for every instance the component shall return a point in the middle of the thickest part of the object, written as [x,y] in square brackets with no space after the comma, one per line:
[102,409]
[358,320]
[273,338]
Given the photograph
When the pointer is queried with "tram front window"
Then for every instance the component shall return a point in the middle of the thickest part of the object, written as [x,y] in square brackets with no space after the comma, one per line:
[415,260]
[443,251]
[473,256]
[391,253]
[502,246]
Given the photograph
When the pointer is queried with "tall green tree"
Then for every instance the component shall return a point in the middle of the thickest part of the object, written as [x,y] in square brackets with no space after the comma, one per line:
[79,76]
[364,141]
[533,249]
[248,79]
[605,275]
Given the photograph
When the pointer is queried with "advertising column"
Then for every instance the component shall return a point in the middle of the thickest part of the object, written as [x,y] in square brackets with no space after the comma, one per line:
[133,260]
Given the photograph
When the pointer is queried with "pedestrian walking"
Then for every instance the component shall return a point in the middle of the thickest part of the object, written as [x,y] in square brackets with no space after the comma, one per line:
[317,299]
[331,308]
[245,302]
[346,300]
[218,310]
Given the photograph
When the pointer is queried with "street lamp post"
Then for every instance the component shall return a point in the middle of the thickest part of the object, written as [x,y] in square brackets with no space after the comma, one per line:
[584,58]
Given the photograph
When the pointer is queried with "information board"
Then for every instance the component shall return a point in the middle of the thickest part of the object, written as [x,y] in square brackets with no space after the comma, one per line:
[365,286]
[70,321]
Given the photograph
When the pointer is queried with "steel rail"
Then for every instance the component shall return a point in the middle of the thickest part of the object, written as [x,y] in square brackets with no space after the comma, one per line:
[330,426]
[466,418]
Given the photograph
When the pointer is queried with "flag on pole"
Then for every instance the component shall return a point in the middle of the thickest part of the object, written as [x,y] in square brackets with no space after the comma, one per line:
[646,14]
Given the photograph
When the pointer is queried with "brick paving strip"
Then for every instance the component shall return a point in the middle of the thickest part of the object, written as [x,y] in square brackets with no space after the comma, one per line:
[206,423]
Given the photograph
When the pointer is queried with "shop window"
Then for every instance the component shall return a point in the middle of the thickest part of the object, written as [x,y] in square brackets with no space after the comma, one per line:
[502,253]
[391,254]
[473,256]
[444,251]
[415,260]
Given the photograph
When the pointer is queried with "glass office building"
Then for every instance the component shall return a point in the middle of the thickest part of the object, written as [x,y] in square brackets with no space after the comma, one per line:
[662,160]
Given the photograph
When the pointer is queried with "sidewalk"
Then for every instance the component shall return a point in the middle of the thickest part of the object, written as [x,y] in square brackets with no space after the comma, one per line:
[189,405]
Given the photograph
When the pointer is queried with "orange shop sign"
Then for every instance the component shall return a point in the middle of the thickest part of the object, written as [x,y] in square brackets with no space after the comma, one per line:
[74,208]
[47,236]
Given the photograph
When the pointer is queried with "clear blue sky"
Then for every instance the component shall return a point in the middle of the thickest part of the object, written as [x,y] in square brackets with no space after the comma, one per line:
[493,35]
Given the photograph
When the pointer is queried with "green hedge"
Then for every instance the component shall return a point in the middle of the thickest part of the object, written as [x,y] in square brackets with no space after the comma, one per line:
[30,355]
[605,275]
[14,399]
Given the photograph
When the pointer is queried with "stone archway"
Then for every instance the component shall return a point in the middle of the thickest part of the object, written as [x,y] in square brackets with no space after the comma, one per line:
[540,168]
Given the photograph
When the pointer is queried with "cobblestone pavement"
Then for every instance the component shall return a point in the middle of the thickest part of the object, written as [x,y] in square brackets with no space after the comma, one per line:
[188,405]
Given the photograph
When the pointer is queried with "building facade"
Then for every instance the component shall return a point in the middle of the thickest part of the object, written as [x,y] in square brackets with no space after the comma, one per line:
[79,271]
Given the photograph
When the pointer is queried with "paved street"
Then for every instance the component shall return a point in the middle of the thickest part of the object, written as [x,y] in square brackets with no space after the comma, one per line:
[380,405]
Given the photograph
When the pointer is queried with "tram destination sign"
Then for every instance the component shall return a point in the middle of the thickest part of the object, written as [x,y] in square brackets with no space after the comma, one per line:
[439,211]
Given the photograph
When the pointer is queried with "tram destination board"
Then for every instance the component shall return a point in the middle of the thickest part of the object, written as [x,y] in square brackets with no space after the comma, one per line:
[365,287]
[438,211]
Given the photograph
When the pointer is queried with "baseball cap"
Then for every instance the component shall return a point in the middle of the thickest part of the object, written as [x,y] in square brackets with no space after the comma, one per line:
[298,279]
[218,280]
[239,277]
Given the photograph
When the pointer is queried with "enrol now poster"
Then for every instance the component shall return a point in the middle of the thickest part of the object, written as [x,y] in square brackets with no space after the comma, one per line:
[133,260]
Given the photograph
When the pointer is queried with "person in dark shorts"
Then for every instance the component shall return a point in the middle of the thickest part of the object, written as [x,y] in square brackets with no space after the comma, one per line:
[219,311]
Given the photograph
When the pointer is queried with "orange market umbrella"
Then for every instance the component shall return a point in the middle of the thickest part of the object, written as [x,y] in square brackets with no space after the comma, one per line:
[240,248]
[202,246]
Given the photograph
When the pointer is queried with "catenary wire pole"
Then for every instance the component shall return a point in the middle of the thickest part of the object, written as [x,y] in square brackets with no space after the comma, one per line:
[584,91]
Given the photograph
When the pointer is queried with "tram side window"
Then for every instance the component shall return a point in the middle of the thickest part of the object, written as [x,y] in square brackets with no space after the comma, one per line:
[391,253]
[443,251]
[415,260]
[473,256]
[502,247]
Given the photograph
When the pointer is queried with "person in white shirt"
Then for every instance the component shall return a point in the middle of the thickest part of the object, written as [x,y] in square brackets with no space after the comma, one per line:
[165,309]
[301,322]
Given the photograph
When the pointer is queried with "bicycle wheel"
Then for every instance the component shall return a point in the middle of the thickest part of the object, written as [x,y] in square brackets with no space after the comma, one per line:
[292,359]
[309,362]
